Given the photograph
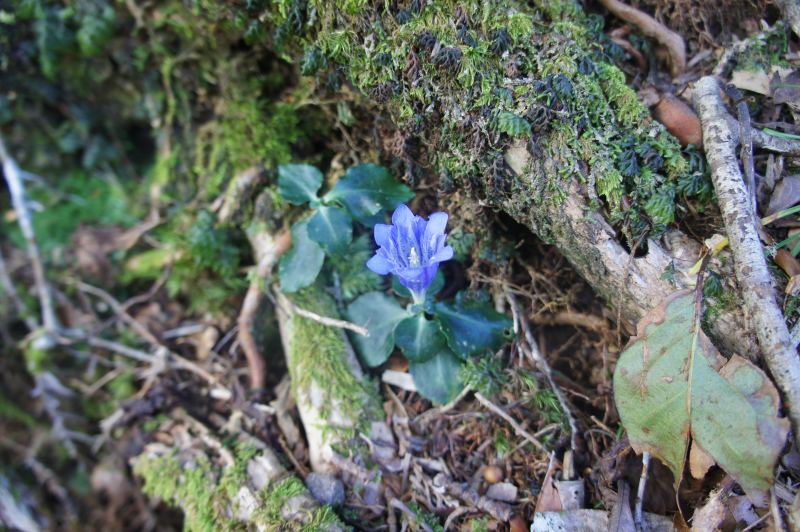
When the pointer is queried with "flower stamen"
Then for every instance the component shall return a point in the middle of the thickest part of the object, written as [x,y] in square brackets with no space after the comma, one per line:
[413,258]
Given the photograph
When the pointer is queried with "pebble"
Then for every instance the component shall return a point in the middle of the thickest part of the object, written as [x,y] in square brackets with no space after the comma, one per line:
[325,488]
[502,491]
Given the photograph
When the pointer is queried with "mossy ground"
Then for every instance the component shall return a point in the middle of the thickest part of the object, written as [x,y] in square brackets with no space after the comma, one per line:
[318,356]
[468,78]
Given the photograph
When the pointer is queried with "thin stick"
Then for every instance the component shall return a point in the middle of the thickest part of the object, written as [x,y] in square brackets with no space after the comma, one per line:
[19,200]
[638,513]
[750,265]
[291,308]
[517,427]
[532,350]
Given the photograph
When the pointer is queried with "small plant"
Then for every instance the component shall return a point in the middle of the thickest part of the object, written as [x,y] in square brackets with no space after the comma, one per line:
[437,337]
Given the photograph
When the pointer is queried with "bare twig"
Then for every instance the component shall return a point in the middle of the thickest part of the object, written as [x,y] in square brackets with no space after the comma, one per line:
[517,427]
[530,347]
[638,515]
[291,308]
[653,29]
[745,141]
[19,199]
[776,144]
[750,265]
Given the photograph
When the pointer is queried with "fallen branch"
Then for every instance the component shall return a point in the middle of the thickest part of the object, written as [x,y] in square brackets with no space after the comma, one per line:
[750,265]
[650,27]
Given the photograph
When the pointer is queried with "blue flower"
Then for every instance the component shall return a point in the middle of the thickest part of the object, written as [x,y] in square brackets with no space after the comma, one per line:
[411,248]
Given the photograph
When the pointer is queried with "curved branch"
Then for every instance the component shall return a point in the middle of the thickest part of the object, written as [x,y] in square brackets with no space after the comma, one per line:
[749,263]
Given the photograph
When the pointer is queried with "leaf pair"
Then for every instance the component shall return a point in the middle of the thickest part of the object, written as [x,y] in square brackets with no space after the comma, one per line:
[365,192]
[671,383]
[432,346]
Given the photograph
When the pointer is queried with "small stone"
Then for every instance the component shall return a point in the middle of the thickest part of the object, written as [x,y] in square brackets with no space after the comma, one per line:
[326,488]
[502,491]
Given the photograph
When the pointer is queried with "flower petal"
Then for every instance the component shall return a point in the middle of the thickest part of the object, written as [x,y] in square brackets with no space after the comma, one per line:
[436,224]
[446,253]
[382,233]
[403,217]
[379,265]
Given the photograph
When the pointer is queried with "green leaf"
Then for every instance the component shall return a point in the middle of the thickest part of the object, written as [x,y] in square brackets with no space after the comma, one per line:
[419,338]
[670,383]
[472,327]
[380,314]
[331,228]
[300,266]
[368,190]
[356,279]
[299,183]
[438,379]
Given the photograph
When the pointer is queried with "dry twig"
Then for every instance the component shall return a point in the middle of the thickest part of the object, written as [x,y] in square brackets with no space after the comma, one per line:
[19,199]
[516,426]
[290,308]
[750,265]
[530,348]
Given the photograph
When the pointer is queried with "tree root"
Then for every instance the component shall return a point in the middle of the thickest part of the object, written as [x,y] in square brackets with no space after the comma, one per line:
[653,29]
[750,266]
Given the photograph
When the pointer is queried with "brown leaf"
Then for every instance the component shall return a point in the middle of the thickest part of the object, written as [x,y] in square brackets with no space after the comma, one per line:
[785,194]
[548,500]
[699,461]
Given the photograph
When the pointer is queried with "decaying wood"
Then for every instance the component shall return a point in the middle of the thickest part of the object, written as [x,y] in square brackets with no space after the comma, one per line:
[752,274]
[630,285]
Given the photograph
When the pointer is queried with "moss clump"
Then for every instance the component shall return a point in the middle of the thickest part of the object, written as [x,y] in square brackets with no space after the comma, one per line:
[469,78]
[318,354]
[277,497]
[189,488]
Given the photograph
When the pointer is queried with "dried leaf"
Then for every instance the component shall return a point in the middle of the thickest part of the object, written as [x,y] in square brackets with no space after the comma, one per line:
[785,87]
[699,461]
[670,383]
[785,194]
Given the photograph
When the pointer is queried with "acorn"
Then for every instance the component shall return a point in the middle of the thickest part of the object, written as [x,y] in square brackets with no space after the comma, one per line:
[492,474]
[680,120]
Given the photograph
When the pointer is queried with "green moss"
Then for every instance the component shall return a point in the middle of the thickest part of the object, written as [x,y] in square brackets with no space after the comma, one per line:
[477,84]
[318,354]
[274,499]
[190,489]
